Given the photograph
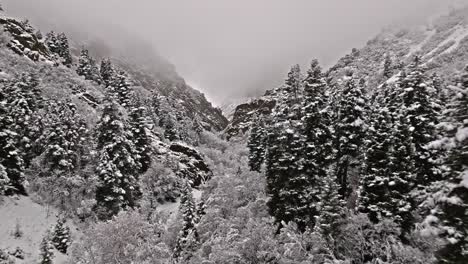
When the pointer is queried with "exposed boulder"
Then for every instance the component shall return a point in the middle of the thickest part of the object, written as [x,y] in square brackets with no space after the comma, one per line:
[24,41]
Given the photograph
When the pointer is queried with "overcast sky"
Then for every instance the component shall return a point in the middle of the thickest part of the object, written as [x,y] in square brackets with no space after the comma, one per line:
[236,48]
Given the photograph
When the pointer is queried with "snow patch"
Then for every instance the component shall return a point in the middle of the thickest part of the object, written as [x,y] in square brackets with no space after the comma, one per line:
[464,181]
[459,34]
[415,48]
[34,220]
[462,134]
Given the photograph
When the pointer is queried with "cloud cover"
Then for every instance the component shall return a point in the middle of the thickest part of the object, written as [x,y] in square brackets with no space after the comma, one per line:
[235,48]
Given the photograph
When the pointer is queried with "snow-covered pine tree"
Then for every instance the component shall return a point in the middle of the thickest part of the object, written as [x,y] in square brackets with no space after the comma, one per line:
[420,108]
[118,164]
[4,181]
[52,42]
[65,137]
[256,145]
[61,235]
[187,241]
[293,82]
[141,137]
[19,126]
[107,72]
[26,100]
[388,67]
[401,171]
[438,85]
[289,188]
[350,132]
[87,67]
[58,44]
[46,250]
[380,195]
[452,210]
[10,154]
[120,88]
[317,125]
[64,49]
[331,208]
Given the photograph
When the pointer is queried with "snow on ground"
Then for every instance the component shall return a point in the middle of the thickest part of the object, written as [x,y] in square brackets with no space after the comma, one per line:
[418,47]
[197,195]
[34,220]
[458,34]
[393,79]
[171,209]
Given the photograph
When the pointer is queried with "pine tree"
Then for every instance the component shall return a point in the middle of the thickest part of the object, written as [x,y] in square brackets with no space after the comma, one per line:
[19,127]
[64,50]
[289,188]
[386,180]
[118,165]
[317,123]
[58,44]
[52,42]
[349,132]
[107,72]
[388,174]
[375,182]
[331,208]
[256,145]
[120,88]
[388,67]
[87,67]
[65,137]
[61,236]
[4,181]
[453,208]
[10,157]
[419,107]
[293,82]
[46,250]
[141,137]
[437,83]
[188,239]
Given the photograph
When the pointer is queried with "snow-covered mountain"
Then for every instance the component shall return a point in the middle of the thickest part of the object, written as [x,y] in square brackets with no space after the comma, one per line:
[442,44]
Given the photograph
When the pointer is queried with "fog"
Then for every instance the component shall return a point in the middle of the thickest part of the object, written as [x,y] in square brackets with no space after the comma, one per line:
[236,48]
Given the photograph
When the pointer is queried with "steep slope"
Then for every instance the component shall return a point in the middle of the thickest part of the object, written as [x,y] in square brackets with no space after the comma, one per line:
[30,221]
[192,103]
[23,52]
[442,45]
[246,112]
[153,73]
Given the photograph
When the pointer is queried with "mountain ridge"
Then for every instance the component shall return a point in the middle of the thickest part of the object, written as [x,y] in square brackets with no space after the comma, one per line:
[441,43]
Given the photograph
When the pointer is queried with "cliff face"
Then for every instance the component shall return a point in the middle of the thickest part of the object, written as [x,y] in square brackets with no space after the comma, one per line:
[245,113]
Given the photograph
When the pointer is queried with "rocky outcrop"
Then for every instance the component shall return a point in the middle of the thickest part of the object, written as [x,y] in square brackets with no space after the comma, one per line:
[184,160]
[24,41]
[193,166]
[245,114]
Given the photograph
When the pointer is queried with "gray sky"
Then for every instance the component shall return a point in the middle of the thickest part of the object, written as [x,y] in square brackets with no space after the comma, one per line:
[236,48]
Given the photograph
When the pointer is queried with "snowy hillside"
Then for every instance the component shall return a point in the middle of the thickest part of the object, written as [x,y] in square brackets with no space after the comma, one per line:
[442,45]
[24,224]
[113,159]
